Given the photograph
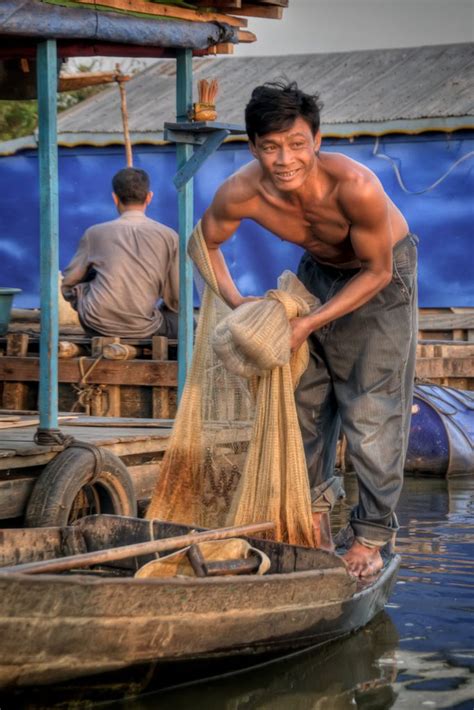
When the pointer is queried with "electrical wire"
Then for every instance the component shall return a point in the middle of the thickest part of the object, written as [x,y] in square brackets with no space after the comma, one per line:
[398,175]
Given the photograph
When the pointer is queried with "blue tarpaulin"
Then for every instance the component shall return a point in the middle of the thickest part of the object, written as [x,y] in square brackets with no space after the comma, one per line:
[442,216]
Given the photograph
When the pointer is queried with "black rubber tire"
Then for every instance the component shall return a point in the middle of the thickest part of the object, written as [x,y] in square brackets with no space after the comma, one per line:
[64,492]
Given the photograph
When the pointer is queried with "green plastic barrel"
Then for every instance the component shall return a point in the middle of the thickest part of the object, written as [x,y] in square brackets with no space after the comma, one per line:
[6,300]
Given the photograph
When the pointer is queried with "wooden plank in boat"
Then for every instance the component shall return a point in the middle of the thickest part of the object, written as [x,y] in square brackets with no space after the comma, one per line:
[39,544]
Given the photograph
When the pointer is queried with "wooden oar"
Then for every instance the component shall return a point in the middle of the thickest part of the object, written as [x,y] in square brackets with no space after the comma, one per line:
[61,564]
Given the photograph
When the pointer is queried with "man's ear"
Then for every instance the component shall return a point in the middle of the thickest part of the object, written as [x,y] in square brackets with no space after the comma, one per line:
[149,197]
[252,148]
[115,199]
[317,141]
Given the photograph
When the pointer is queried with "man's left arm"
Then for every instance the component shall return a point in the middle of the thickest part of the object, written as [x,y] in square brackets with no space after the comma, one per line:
[171,282]
[371,237]
[76,271]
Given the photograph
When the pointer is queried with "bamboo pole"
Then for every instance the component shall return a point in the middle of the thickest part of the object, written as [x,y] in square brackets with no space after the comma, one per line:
[63,564]
[121,79]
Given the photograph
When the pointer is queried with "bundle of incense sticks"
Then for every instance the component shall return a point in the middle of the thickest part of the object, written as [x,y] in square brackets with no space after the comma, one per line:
[207,91]
[205,108]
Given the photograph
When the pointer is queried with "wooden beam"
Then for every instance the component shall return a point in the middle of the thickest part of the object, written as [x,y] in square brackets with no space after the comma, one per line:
[15,493]
[280,3]
[245,36]
[76,48]
[81,80]
[15,394]
[222,48]
[446,321]
[169,11]
[160,396]
[448,349]
[439,367]
[267,13]
[106,372]
[14,496]
[227,4]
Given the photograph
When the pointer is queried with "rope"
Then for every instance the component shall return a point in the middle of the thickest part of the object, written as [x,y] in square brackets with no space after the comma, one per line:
[96,451]
[48,437]
[400,181]
[86,392]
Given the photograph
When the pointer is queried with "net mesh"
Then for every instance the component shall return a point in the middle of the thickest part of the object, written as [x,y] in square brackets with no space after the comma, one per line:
[235,453]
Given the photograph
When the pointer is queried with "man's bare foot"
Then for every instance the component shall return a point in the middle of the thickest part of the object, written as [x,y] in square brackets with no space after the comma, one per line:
[363,561]
[322,532]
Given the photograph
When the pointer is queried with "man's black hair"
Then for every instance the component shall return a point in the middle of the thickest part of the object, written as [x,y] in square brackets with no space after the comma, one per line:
[275,105]
[131,185]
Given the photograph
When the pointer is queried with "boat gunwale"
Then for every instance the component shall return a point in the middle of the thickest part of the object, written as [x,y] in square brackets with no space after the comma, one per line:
[85,579]
[300,575]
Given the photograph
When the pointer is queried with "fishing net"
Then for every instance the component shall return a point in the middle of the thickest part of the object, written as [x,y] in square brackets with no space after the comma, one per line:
[235,453]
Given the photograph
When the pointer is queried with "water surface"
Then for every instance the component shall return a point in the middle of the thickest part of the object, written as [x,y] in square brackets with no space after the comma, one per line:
[417,654]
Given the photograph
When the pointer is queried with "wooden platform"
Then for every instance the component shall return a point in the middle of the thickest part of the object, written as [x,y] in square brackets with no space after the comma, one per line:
[139,443]
[123,440]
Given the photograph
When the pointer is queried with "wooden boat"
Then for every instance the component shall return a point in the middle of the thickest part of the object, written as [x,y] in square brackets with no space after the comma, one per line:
[54,627]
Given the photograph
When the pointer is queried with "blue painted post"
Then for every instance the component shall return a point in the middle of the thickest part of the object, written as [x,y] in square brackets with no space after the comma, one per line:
[49,258]
[184,101]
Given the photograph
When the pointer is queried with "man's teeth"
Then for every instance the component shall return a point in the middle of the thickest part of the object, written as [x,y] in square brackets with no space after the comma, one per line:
[288,174]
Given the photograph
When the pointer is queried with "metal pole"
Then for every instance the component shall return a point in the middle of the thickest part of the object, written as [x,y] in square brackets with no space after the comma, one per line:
[49,257]
[184,100]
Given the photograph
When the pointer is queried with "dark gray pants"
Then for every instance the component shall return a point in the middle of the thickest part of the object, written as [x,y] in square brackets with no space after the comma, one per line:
[360,376]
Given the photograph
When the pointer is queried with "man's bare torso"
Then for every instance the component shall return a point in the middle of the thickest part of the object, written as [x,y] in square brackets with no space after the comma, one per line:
[318,218]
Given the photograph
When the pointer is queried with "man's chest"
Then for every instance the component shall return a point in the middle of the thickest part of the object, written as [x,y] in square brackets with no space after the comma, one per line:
[309,226]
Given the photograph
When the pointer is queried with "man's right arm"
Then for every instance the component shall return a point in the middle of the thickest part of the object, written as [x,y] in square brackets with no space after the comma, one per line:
[219,223]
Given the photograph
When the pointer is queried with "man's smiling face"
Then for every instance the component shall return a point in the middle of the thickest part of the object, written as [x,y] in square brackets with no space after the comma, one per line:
[287,157]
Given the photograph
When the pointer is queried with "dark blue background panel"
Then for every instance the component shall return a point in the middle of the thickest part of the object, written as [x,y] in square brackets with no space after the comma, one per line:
[442,217]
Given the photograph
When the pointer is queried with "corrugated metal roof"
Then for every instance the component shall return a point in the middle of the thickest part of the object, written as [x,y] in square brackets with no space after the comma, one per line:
[372,91]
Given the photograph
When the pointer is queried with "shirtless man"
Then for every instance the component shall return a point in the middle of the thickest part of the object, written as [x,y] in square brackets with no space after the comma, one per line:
[360,261]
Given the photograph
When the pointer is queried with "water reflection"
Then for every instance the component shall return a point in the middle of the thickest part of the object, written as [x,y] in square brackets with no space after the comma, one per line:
[433,602]
[335,677]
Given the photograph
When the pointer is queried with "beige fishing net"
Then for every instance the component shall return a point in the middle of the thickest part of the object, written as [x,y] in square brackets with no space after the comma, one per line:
[235,454]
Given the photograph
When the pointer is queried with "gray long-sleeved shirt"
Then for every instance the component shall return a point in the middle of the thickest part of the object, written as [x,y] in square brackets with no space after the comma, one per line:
[133,262]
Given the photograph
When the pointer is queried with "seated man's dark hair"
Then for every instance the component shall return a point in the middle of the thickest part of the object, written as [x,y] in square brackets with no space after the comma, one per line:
[275,105]
[131,185]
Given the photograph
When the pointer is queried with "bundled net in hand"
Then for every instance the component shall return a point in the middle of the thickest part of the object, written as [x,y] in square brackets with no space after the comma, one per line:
[235,454]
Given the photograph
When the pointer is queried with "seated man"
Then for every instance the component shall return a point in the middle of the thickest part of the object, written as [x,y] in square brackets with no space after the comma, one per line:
[124,267]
